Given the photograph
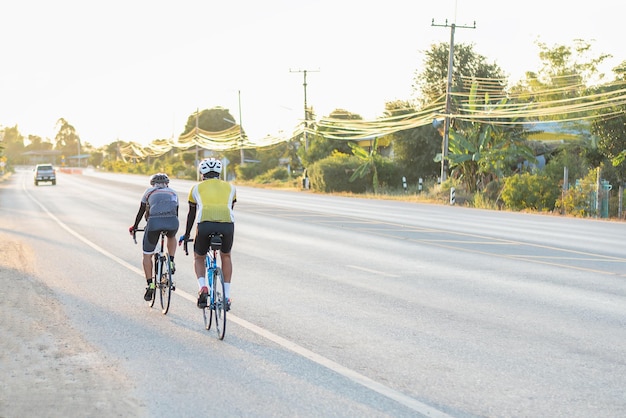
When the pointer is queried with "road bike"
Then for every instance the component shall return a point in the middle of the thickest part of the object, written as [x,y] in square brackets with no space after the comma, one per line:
[216,304]
[162,274]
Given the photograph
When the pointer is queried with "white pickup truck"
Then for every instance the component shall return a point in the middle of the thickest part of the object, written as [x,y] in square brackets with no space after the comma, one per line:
[45,172]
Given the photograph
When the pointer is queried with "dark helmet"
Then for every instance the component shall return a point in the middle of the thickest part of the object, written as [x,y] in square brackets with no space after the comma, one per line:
[159,178]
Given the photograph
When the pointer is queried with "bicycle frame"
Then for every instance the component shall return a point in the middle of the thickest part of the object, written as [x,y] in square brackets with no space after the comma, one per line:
[215,280]
[216,306]
[161,261]
[210,263]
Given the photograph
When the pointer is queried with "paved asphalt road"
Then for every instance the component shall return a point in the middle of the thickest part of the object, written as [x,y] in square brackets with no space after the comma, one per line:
[341,306]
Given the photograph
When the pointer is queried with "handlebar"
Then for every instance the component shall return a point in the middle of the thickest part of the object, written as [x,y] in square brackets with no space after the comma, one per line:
[135,234]
[184,242]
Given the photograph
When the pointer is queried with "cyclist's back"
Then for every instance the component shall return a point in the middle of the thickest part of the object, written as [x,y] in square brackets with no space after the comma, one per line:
[159,204]
[161,208]
[214,198]
[211,205]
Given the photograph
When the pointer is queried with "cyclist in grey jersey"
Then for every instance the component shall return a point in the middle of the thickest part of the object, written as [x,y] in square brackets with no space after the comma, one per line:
[159,204]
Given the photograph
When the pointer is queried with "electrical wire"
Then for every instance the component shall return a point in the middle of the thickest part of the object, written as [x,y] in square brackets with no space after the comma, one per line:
[529,101]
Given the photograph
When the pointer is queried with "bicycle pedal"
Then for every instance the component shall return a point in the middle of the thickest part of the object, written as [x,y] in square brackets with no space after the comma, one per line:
[173,287]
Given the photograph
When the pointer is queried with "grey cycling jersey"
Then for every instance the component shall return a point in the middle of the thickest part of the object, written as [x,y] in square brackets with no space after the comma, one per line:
[160,202]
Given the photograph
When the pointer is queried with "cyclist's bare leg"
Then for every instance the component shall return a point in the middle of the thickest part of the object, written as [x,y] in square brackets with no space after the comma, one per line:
[198,265]
[147,266]
[171,246]
[227,266]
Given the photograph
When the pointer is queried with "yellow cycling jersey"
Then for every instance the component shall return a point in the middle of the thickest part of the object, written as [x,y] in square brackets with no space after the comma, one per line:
[214,198]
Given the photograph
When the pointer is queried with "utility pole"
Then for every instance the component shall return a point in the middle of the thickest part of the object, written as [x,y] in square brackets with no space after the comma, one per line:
[195,139]
[306,110]
[446,126]
[241,155]
[78,157]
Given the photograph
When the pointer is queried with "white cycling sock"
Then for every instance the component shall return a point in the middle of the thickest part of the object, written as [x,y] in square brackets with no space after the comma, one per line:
[201,282]
[227,290]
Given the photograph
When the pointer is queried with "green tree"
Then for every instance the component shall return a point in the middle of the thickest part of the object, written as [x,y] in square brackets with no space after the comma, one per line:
[36,143]
[216,119]
[563,78]
[67,140]
[112,151]
[611,129]
[430,83]
[320,146]
[14,148]
[563,85]
[212,120]
[267,159]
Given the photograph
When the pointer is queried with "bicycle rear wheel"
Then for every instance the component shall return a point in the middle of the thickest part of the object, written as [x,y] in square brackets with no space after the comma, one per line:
[165,285]
[219,303]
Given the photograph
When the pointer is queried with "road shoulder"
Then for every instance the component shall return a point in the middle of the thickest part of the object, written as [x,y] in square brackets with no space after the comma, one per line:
[46,367]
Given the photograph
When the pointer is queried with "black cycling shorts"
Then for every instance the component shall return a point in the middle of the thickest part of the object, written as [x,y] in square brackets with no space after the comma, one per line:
[153,230]
[204,229]
[151,239]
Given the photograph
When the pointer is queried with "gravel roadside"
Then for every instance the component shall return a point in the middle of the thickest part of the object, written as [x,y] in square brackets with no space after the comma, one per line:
[47,368]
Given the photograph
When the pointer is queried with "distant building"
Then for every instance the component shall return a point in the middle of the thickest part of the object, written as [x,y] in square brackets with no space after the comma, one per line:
[558,130]
[43,156]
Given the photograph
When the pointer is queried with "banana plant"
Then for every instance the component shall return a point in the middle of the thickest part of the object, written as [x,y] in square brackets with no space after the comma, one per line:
[483,149]
[368,162]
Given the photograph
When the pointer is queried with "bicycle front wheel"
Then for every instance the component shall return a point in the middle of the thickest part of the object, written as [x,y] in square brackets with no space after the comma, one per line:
[165,285]
[219,303]
[207,312]
[155,281]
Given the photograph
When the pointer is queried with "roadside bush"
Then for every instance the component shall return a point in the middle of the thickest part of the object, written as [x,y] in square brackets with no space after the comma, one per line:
[480,200]
[489,197]
[332,174]
[575,202]
[389,175]
[530,191]
[181,170]
[273,175]
[441,192]
[580,199]
[248,171]
[117,166]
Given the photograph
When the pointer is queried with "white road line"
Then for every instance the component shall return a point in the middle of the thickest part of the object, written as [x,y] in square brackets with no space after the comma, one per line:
[356,377]
[382,273]
[81,238]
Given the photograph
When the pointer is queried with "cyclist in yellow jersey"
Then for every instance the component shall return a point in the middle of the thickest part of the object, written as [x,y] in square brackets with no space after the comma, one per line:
[211,204]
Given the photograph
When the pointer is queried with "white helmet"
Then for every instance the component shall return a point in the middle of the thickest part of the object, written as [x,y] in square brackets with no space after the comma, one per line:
[210,165]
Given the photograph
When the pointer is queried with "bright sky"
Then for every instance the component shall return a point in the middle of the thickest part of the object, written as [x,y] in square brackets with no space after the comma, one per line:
[134,70]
